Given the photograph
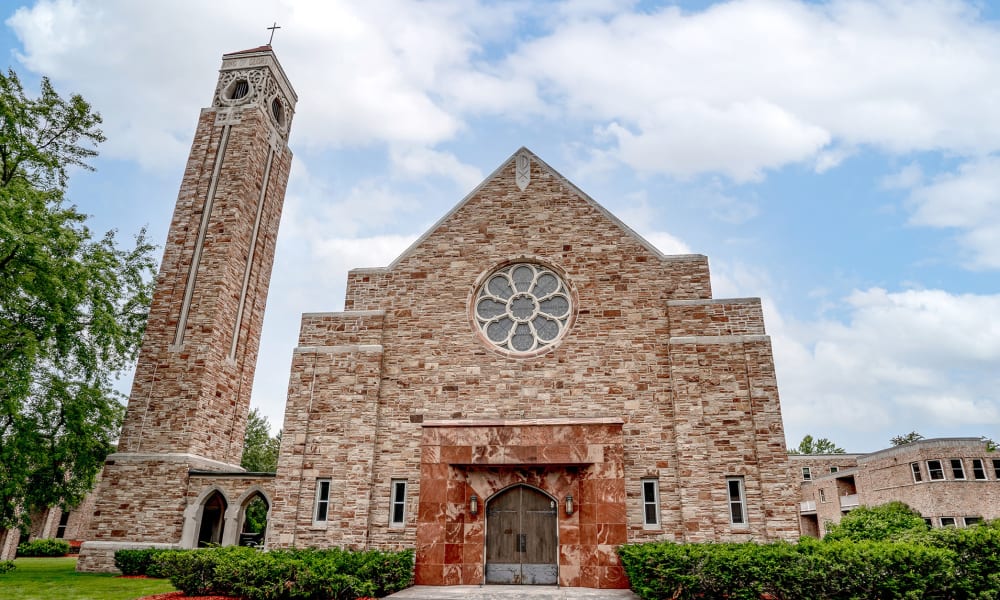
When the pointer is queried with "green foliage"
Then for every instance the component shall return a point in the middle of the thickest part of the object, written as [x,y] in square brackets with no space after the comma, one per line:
[72,307]
[57,579]
[883,522]
[977,557]
[907,438]
[749,571]
[44,547]
[141,561]
[6,566]
[286,574]
[821,446]
[260,450]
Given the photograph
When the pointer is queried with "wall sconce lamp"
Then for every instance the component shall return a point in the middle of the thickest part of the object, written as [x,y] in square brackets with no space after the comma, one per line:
[569,505]
[473,504]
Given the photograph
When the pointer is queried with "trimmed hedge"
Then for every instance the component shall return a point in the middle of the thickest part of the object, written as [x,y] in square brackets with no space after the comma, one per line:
[945,564]
[140,561]
[44,547]
[286,574]
[6,565]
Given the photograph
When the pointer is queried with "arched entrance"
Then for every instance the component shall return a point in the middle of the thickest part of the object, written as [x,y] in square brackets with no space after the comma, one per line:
[521,546]
[254,520]
[212,520]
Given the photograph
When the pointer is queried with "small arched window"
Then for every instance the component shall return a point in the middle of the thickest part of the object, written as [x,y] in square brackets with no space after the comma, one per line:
[278,111]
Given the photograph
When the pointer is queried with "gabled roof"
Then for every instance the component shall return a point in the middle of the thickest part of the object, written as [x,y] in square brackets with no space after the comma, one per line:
[565,182]
[264,48]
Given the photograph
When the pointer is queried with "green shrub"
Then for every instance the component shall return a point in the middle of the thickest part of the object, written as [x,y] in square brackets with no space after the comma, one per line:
[139,561]
[811,569]
[288,574]
[6,565]
[977,558]
[884,522]
[44,547]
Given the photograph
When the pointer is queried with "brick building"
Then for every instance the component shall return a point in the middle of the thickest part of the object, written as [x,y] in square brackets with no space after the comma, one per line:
[949,481]
[528,386]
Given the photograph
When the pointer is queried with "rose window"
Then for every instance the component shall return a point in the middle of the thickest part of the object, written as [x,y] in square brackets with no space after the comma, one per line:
[522,308]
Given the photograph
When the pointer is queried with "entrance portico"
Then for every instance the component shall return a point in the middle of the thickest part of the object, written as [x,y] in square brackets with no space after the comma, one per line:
[549,460]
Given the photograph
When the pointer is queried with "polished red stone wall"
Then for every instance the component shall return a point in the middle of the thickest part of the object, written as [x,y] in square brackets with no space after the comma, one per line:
[561,457]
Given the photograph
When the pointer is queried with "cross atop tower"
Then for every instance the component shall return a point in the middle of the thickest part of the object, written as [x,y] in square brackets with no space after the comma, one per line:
[271,29]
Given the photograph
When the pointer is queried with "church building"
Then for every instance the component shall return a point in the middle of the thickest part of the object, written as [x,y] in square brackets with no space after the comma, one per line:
[528,386]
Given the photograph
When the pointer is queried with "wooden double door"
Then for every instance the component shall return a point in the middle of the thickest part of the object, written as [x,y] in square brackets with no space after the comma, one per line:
[521,546]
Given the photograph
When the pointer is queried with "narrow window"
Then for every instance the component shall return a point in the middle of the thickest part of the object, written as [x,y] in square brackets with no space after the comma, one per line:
[978,469]
[934,470]
[834,469]
[957,470]
[397,515]
[972,520]
[947,521]
[822,495]
[806,474]
[322,500]
[996,468]
[917,477]
[63,521]
[737,501]
[650,503]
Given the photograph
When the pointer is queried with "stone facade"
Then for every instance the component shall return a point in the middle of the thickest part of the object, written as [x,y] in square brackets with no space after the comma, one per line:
[945,493]
[405,386]
[191,393]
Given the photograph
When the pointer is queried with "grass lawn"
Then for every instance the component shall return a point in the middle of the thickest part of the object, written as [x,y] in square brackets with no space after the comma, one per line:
[56,578]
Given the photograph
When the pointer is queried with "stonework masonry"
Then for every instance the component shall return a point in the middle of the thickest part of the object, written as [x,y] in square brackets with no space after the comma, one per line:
[690,377]
[191,393]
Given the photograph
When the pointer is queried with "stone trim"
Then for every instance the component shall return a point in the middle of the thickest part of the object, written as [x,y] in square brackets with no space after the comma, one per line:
[264,474]
[338,349]
[920,444]
[138,457]
[719,339]
[706,301]
[346,313]
[523,422]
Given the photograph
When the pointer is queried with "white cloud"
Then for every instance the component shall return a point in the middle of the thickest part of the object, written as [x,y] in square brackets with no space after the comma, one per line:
[750,85]
[740,88]
[920,360]
[967,200]
[419,162]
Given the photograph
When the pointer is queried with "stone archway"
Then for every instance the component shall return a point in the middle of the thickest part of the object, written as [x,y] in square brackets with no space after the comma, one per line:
[211,524]
[255,510]
[522,537]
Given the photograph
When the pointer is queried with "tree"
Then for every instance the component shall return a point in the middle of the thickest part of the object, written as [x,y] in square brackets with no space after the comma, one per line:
[820,446]
[908,438]
[876,523]
[260,455]
[260,450]
[72,307]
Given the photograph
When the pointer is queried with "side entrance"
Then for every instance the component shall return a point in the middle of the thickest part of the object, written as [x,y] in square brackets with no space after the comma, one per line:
[521,545]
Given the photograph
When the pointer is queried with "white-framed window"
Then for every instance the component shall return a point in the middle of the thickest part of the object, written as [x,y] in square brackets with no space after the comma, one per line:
[934,470]
[834,469]
[322,507]
[397,509]
[969,521]
[822,495]
[737,501]
[651,503]
[957,469]
[917,477]
[806,474]
[978,469]
[948,522]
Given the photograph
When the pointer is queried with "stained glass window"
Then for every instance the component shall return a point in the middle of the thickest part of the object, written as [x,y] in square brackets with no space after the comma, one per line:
[523,308]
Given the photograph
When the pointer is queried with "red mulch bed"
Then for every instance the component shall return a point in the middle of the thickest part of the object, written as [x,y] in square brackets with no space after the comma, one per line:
[181,596]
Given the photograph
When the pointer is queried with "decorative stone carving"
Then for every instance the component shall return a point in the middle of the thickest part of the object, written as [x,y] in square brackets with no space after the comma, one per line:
[522,173]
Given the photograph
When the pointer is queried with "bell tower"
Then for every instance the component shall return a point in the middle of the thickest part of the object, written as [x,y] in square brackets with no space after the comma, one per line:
[190,397]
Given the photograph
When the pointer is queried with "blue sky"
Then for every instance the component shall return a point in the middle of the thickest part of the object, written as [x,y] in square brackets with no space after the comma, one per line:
[840,160]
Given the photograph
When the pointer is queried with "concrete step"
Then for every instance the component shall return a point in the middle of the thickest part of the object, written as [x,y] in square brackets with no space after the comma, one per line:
[508,592]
